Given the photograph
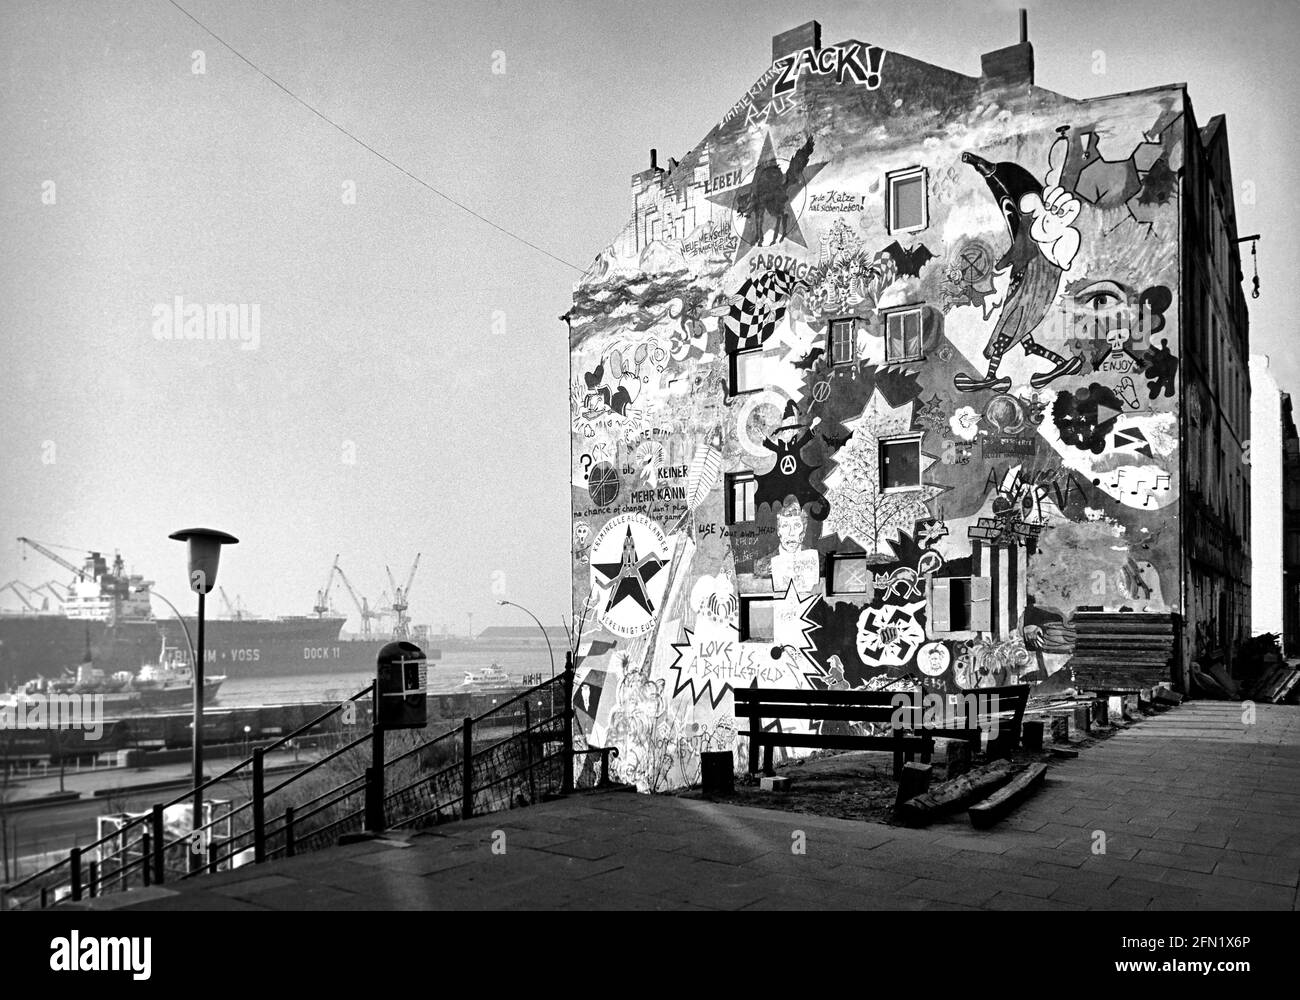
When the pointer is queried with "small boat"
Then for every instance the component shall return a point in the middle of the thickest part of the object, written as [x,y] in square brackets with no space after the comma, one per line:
[492,675]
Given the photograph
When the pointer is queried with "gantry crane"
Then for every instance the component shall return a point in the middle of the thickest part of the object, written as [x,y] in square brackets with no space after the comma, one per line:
[401,601]
[25,598]
[363,605]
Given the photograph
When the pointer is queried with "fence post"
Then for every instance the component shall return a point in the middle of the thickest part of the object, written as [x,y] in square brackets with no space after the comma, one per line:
[467,769]
[45,897]
[259,806]
[376,821]
[567,782]
[288,831]
[75,858]
[158,843]
[123,872]
[528,751]
[145,860]
[214,849]
[94,879]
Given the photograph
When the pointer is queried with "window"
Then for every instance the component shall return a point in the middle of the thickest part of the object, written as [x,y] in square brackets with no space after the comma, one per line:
[903,334]
[747,371]
[741,489]
[757,618]
[849,574]
[907,200]
[900,464]
[843,348]
[960,604]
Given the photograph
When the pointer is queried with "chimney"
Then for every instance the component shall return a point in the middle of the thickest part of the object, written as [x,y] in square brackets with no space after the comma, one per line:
[797,39]
[1013,65]
[654,159]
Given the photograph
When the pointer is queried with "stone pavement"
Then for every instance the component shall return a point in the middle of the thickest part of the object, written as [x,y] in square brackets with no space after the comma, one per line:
[1194,809]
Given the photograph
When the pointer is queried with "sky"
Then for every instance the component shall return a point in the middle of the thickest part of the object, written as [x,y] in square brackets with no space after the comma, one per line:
[407,390]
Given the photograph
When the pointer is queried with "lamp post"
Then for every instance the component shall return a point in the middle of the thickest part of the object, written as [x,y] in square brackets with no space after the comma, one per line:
[545,636]
[204,555]
[189,641]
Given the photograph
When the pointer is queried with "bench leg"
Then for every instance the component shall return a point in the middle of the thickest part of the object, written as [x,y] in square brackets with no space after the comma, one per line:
[927,750]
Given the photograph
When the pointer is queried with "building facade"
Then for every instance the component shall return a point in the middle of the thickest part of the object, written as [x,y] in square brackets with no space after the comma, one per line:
[1274,508]
[888,380]
[1268,508]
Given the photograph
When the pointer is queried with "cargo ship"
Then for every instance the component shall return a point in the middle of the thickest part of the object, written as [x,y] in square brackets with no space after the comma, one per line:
[112,613]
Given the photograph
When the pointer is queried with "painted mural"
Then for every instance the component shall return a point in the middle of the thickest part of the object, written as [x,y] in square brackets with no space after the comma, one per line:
[877,387]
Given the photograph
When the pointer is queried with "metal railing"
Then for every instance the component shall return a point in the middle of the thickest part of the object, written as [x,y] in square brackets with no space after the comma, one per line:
[516,753]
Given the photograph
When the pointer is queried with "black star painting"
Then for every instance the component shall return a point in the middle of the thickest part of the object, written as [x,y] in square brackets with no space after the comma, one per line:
[629,577]
[767,201]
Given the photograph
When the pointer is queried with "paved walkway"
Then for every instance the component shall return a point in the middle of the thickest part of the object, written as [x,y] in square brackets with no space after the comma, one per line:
[1196,810]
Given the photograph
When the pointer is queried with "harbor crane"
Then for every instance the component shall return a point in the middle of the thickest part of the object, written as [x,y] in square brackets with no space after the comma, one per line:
[235,611]
[54,556]
[25,598]
[401,601]
[322,606]
[363,605]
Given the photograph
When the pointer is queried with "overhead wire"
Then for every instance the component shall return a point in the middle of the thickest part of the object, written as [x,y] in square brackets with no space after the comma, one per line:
[365,145]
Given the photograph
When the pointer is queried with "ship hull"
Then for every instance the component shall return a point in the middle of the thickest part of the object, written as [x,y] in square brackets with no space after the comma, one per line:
[46,645]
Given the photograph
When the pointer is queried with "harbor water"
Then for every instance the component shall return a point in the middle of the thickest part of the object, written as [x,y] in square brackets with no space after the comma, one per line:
[524,667]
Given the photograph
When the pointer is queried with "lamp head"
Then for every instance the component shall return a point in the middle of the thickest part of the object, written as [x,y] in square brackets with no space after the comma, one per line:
[205,553]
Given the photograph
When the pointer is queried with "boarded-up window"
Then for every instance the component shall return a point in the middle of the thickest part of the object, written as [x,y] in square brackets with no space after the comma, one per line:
[938,611]
[747,370]
[959,604]
[757,619]
[850,574]
[981,604]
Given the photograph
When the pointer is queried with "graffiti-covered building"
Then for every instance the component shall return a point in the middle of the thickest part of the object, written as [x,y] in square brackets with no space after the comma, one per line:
[903,373]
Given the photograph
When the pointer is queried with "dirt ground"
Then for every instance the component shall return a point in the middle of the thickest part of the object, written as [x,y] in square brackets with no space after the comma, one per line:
[859,784]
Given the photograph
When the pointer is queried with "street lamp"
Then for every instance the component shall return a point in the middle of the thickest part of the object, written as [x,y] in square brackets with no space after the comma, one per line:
[189,641]
[205,552]
[545,636]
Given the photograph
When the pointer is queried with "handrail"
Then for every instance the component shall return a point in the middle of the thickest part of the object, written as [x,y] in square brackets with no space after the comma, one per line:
[154,849]
[317,763]
[317,721]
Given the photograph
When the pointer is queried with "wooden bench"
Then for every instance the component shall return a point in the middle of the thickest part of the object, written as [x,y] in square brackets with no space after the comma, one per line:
[906,740]
[976,713]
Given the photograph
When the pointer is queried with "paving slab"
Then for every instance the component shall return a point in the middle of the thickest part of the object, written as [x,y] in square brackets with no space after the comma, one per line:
[1190,809]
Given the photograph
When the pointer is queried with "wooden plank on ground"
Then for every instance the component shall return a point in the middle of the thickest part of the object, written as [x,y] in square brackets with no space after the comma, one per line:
[951,796]
[1000,803]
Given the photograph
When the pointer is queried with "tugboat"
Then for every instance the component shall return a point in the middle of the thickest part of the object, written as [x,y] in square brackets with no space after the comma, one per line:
[492,676]
[169,683]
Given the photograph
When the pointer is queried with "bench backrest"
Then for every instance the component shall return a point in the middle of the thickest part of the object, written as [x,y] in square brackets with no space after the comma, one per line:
[883,707]
[1011,702]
